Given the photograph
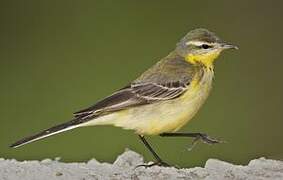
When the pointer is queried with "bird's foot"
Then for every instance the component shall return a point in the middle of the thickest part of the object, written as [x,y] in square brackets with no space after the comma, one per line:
[204,138]
[159,163]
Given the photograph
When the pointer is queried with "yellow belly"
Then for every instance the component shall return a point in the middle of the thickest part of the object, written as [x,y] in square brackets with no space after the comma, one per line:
[163,116]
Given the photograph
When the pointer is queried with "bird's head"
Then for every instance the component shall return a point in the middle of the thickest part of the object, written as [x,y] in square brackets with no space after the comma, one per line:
[202,46]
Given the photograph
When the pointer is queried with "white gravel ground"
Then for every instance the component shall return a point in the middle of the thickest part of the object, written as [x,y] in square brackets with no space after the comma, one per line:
[124,168]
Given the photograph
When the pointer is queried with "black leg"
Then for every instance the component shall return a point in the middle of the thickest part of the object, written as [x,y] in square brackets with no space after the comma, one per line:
[197,136]
[158,159]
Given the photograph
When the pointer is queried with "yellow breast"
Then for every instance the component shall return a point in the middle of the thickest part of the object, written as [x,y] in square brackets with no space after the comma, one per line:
[195,97]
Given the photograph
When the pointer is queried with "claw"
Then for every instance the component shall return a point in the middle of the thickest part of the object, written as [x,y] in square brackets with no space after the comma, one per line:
[204,138]
[161,163]
[195,141]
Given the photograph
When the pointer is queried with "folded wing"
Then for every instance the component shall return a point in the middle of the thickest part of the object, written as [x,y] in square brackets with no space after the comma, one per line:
[134,95]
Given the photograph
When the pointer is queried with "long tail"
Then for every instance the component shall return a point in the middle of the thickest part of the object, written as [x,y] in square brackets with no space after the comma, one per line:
[49,132]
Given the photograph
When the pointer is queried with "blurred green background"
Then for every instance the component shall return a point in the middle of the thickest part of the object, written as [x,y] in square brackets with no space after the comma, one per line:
[57,57]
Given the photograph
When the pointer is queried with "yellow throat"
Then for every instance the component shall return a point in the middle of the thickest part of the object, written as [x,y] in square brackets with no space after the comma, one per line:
[205,59]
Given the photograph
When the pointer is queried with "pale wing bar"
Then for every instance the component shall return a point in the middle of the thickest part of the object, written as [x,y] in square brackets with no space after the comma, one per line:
[158,92]
[134,95]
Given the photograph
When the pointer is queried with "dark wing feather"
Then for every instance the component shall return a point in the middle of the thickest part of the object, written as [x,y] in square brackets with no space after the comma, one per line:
[158,92]
[122,98]
[134,95]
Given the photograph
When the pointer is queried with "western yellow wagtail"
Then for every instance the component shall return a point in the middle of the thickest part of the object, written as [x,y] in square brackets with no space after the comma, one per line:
[162,100]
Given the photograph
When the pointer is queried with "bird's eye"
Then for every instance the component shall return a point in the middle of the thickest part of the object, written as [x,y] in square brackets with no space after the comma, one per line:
[205,46]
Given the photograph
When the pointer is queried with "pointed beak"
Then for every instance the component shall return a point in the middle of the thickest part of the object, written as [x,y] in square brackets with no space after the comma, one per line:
[228,46]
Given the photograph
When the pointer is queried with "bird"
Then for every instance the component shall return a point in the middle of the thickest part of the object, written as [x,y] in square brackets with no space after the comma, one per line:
[161,100]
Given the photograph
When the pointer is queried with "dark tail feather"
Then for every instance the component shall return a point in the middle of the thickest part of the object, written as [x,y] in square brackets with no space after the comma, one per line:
[48,132]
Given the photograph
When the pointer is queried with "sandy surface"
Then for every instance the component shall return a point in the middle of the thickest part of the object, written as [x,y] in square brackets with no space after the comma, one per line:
[124,168]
